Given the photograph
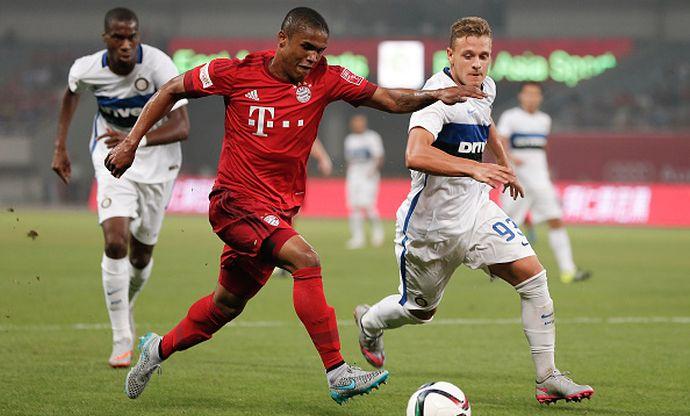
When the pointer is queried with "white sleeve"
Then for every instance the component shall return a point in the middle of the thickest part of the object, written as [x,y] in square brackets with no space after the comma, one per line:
[431,118]
[503,125]
[165,71]
[376,145]
[74,79]
[548,124]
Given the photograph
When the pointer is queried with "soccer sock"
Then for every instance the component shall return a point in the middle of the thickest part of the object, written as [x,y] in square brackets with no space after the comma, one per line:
[538,321]
[316,315]
[115,276]
[375,219]
[560,244]
[356,225]
[388,314]
[203,319]
[137,280]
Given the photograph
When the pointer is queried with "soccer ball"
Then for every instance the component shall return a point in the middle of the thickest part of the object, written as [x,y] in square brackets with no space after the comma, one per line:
[438,399]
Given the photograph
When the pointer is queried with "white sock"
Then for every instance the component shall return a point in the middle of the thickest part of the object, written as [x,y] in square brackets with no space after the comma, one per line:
[333,375]
[115,273]
[356,225]
[375,220]
[538,321]
[560,244]
[388,314]
[137,280]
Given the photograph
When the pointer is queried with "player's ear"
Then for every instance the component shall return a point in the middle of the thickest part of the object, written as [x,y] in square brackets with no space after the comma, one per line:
[449,54]
[282,39]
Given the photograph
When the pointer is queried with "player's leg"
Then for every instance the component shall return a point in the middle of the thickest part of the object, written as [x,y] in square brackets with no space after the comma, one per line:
[204,318]
[547,208]
[356,222]
[293,253]
[144,230]
[424,270]
[115,277]
[500,248]
[117,202]
[528,277]
[377,233]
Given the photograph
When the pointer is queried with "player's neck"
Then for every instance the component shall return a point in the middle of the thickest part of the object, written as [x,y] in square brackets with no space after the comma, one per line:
[528,111]
[120,68]
[277,70]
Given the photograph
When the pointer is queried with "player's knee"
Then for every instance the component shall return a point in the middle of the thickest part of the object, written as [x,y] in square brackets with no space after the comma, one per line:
[307,258]
[115,247]
[423,315]
[140,260]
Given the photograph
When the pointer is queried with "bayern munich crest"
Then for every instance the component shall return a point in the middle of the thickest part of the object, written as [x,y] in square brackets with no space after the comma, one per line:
[272,220]
[303,93]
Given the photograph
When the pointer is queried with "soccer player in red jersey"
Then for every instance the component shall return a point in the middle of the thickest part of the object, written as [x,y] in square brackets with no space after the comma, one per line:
[274,101]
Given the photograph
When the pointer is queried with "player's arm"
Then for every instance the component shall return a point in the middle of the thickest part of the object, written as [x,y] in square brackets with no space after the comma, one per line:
[175,129]
[494,143]
[122,156]
[323,160]
[61,163]
[420,155]
[398,100]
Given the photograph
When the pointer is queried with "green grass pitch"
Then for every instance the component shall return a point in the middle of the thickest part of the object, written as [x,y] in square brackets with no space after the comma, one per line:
[626,332]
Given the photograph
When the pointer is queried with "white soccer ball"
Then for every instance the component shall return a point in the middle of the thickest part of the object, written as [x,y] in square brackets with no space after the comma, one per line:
[438,399]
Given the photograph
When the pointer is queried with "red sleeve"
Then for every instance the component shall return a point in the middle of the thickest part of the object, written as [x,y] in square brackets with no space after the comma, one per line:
[215,77]
[348,86]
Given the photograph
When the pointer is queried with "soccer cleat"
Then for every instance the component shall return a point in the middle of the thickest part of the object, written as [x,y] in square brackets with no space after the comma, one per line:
[578,276]
[371,347]
[354,382]
[121,356]
[355,243]
[558,386]
[140,374]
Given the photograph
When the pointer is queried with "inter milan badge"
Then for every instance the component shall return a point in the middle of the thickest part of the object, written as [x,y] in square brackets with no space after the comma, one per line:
[106,202]
[303,93]
[141,84]
[272,220]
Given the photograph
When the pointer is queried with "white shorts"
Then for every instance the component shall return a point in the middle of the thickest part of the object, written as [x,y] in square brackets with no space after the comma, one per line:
[144,203]
[362,192]
[426,265]
[542,203]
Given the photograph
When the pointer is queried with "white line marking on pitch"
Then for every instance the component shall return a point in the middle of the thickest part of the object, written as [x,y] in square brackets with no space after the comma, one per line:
[635,320]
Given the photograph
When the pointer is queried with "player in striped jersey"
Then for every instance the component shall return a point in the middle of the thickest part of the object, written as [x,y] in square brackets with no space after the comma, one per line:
[525,130]
[123,77]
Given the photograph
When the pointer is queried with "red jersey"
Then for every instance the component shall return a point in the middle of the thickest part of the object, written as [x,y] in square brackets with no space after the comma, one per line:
[270,125]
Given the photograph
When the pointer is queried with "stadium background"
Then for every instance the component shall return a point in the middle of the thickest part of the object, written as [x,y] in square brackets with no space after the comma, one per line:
[620,148]
[616,77]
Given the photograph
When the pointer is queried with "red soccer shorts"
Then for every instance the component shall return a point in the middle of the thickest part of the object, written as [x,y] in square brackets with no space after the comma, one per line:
[253,233]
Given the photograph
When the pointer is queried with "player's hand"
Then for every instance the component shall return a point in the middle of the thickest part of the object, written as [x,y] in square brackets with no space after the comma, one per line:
[460,94]
[112,138]
[325,166]
[61,165]
[493,175]
[516,190]
[120,158]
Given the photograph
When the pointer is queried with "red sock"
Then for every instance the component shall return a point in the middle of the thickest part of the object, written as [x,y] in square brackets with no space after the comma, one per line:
[202,321]
[316,316]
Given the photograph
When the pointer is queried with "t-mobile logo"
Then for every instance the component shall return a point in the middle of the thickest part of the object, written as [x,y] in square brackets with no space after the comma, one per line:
[262,122]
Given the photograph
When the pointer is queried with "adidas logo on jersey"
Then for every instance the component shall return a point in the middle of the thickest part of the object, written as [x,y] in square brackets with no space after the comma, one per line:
[252,95]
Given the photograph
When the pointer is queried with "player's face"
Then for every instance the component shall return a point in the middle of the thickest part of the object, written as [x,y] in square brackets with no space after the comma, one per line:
[301,51]
[469,59]
[122,42]
[530,98]
[358,124]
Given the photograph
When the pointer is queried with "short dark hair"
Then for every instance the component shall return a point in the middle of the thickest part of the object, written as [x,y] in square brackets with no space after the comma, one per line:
[119,14]
[531,83]
[302,18]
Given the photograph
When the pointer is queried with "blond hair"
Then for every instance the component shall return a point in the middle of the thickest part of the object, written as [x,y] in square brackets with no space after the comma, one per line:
[469,26]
